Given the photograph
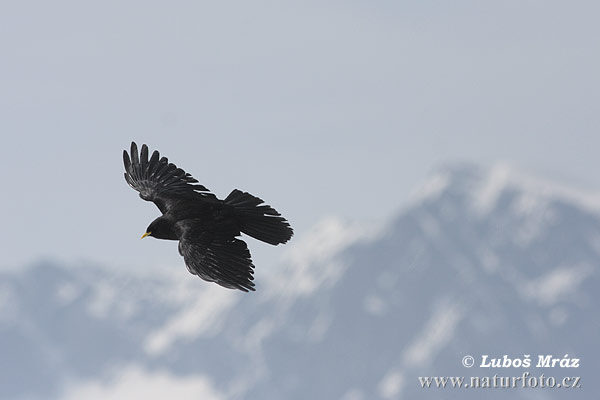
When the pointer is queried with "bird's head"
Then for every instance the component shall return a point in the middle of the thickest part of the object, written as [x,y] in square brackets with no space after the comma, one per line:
[160,228]
[151,230]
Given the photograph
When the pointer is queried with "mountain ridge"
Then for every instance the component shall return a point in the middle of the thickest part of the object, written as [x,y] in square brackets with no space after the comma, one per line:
[478,265]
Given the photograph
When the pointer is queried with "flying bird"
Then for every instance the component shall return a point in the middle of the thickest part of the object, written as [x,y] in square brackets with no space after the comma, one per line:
[208,229]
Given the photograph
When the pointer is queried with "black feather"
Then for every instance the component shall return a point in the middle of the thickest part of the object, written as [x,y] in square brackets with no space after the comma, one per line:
[207,228]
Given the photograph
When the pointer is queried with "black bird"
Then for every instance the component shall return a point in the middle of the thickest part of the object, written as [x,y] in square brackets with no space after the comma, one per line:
[206,227]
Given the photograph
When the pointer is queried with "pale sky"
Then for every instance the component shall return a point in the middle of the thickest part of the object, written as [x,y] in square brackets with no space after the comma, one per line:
[321,108]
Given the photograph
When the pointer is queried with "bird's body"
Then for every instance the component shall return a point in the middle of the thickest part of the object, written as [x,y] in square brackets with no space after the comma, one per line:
[201,213]
[206,227]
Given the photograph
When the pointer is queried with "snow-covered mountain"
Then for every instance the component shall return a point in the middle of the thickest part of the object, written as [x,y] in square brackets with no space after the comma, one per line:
[482,261]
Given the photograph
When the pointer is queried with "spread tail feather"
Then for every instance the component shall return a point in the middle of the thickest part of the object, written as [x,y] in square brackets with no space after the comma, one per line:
[259,220]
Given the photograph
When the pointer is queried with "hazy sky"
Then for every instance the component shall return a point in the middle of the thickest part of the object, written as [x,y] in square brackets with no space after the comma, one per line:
[321,108]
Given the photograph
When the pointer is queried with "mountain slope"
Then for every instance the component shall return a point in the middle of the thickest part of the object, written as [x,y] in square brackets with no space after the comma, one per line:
[483,261]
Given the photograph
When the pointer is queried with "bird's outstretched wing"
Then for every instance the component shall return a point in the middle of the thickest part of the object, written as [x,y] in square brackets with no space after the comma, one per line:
[217,256]
[158,180]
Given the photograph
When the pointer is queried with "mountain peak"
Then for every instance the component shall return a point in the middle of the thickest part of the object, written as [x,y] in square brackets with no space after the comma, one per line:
[374,309]
[482,186]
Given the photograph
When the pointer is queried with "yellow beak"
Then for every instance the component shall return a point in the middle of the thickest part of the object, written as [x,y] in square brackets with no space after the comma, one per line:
[145,234]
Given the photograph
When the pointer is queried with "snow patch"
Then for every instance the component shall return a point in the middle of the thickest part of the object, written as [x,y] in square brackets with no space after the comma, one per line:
[110,297]
[103,298]
[528,203]
[484,186]
[432,188]
[557,284]
[311,259]
[438,331]
[492,186]
[258,333]
[391,385]
[535,212]
[134,382]
[203,317]
[535,192]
